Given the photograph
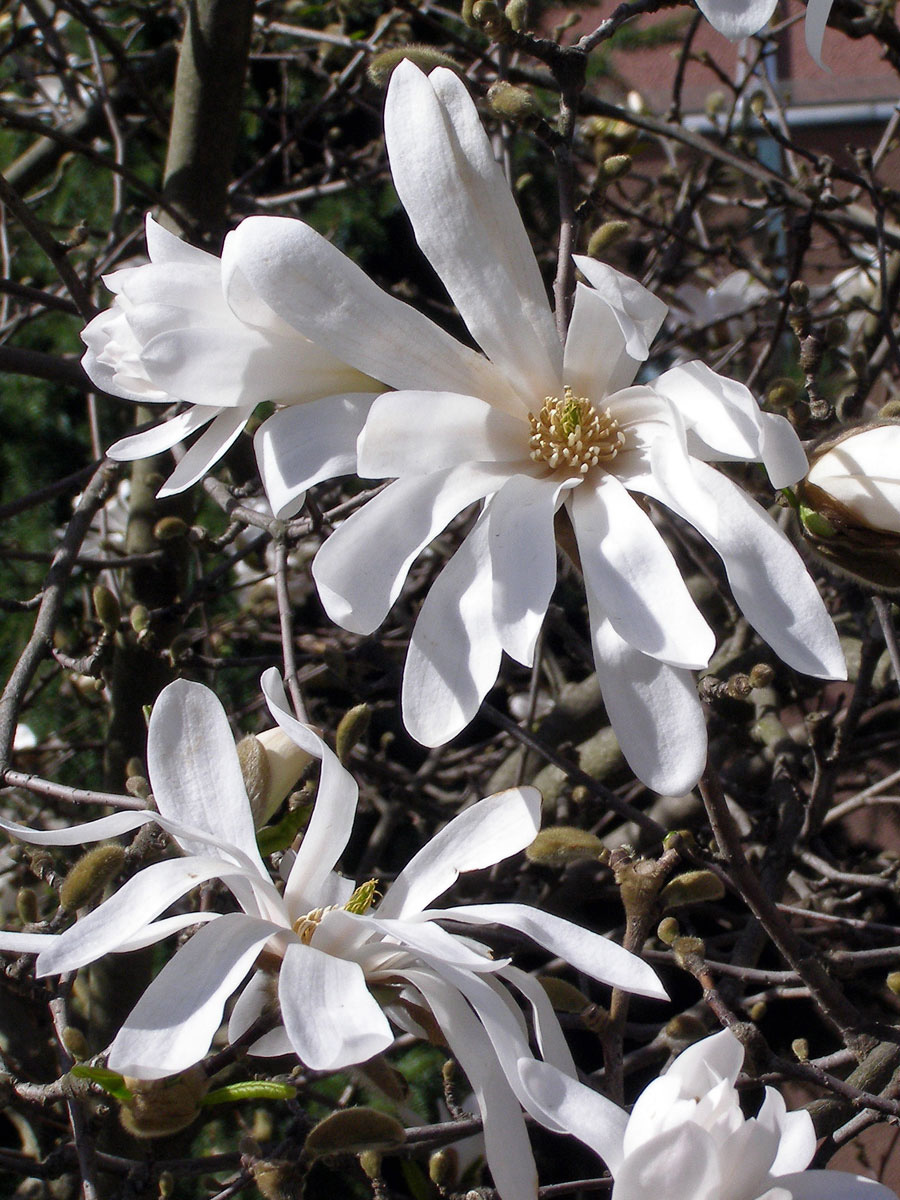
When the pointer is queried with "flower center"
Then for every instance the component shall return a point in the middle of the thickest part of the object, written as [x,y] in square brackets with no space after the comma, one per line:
[360,902]
[571,433]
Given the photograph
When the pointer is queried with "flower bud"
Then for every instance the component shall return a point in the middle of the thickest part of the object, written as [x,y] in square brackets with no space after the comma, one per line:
[564,997]
[513,103]
[693,887]
[616,166]
[686,948]
[90,875]
[76,1043]
[668,930]
[352,728]
[893,982]
[517,12]
[370,1161]
[277,1179]
[140,618]
[561,844]
[606,235]
[27,905]
[353,1130]
[800,1047]
[159,1107]
[107,608]
[167,529]
[443,1169]
[425,57]
[271,764]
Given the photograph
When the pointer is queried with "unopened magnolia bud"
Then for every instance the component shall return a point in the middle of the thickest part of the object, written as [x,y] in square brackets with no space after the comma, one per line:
[166,1185]
[616,166]
[677,839]
[685,948]
[139,618]
[561,844]
[27,905]
[386,1078]
[513,103]
[759,1010]
[758,104]
[685,1028]
[783,394]
[606,235]
[277,1179]
[517,12]
[443,1169]
[271,764]
[107,608]
[90,875]
[425,57]
[353,727]
[799,292]
[893,982]
[668,930]
[76,1043]
[487,16]
[800,1047]
[761,675]
[167,529]
[739,686]
[715,103]
[693,887]
[564,996]
[159,1107]
[136,785]
[889,411]
[370,1161]
[353,1130]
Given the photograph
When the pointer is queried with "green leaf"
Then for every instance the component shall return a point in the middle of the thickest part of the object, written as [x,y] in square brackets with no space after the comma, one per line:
[111,1081]
[250,1089]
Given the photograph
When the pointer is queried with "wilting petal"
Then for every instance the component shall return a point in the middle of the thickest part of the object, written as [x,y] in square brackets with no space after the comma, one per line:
[480,836]
[330,1016]
[817,14]
[416,433]
[303,444]
[361,568]
[161,437]
[584,1113]
[332,819]
[631,571]
[652,707]
[466,221]
[737,18]
[317,290]
[523,556]
[206,451]
[639,313]
[171,1026]
[596,956]
[454,651]
[194,768]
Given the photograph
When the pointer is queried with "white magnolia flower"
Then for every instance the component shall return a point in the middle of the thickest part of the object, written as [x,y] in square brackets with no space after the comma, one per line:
[728,302]
[855,479]
[186,327]
[322,941]
[528,429]
[741,18]
[687,1133]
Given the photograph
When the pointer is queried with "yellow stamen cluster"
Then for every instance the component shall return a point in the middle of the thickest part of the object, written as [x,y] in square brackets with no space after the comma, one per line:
[306,926]
[571,433]
[360,902]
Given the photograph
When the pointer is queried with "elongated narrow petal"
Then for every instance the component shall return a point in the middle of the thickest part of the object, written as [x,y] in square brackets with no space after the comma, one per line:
[454,652]
[523,556]
[312,286]
[630,570]
[161,437]
[156,931]
[467,223]
[332,819]
[652,707]
[550,1038]
[172,1025]
[596,361]
[361,568]
[584,1113]
[330,1016]
[303,444]
[817,14]
[25,943]
[640,314]
[194,769]
[596,956]
[484,834]
[737,18]
[416,433]
[206,451]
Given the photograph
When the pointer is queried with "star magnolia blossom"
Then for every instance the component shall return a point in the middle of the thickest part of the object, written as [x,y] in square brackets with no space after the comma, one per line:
[186,327]
[528,429]
[855,478]
[687,1129]
[741,18]
[322,942]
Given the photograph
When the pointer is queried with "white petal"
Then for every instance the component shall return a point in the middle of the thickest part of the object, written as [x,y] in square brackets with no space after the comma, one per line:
[862,472]
[206,451]
[332,819]
[434,944]
[312,286]
[166,247]
[454,652]
[361,568]
[737,18]
[137,902]
[782,454]
[581,1111]
[161,437]
[303,444]
[104,367]
[156,931]
[194,769]
[172,1025]
[652,707]
[596,362]
[797,1133]
[467,223]
[817,14]
[480,836]
[330,1016]
[551,1040]
[91,831]
[833,1185]
[631,571]
[25,943]
[415,433]
[639,313]
[686,1154]
[589,952]
[706,1062]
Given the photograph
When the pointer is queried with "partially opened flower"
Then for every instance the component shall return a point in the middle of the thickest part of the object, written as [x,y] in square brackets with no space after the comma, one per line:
[741,18]
[185,327]
[529,429]
[343,964]
[687,1129]
[724,308]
